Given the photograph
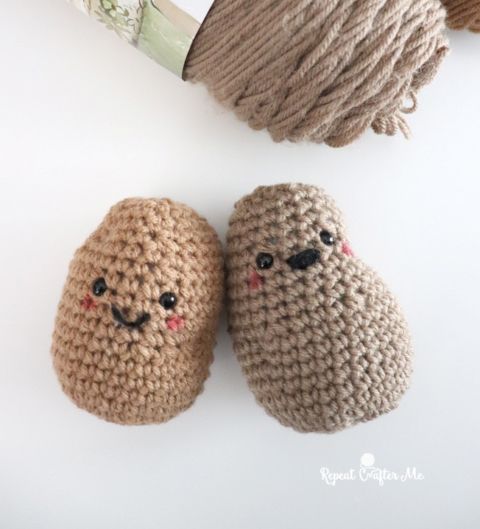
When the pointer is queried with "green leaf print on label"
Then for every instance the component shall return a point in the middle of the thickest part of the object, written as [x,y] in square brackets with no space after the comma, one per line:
[159,28]
[125,18]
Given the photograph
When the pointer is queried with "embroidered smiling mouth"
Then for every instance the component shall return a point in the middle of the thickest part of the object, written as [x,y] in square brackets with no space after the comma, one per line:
[120,318]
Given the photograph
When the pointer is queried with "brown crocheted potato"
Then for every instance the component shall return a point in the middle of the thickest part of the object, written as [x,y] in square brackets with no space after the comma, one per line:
[136,324]
[319,337]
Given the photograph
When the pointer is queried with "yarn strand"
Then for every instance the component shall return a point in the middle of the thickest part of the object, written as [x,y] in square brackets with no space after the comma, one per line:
[319,70]
[463,14]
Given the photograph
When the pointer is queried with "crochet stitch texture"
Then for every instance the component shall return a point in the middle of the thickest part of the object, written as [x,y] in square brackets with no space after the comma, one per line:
[320,338]
[137,321]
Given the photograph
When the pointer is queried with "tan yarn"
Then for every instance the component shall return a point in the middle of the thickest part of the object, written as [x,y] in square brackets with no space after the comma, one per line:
[463,14]
[319,70]
[323,347]
[151,371]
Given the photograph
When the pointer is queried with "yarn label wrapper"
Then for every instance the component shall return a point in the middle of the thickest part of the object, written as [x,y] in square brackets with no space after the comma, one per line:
[162,29]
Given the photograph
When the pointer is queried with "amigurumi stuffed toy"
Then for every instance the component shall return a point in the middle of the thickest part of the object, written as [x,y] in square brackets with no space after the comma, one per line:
[319,336]
[137,321]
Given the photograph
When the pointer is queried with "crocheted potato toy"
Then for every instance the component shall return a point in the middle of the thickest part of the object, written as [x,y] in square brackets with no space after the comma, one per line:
[137,321]
[319,336]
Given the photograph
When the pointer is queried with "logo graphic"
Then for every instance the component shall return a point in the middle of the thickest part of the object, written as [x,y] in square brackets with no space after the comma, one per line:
[367,471]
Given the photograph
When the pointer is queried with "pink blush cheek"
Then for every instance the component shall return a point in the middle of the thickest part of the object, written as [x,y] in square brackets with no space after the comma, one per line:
[347,250]
[255,281]
[175,323]
[88,303]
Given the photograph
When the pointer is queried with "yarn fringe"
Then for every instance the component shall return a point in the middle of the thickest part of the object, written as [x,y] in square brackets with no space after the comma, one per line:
[319,71]
[463,14]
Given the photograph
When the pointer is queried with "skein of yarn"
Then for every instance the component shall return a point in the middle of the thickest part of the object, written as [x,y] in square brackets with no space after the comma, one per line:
[318,70]
[463,14]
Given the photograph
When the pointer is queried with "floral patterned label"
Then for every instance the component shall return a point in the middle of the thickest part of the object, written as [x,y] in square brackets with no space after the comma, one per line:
[162,29]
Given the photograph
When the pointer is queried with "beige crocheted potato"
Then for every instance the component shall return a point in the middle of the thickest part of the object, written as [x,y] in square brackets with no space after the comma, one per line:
[136,324]
[319,336]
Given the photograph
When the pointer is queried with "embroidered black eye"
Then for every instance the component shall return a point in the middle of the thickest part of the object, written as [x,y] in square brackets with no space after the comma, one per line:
[99,287]
[168,300]
[264,261]
[327,238]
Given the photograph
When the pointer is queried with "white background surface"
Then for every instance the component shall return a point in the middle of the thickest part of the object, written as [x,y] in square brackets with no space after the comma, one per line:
[86,121]
[196,8]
